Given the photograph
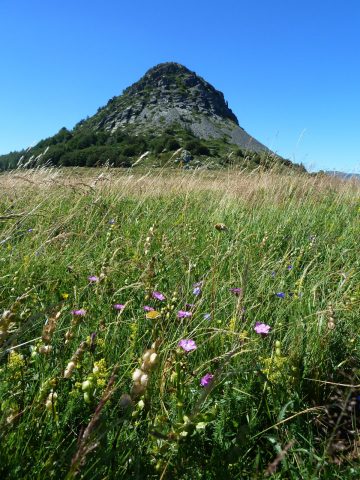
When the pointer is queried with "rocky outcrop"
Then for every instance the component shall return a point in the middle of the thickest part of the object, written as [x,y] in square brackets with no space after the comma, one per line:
[169,94]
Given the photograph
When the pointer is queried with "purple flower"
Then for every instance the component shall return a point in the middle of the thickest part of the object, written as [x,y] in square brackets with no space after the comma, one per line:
[111,221]
[235,291]
[183,314]
[273,273]
[190,305]
[262,328]
[119,306]
[93,279]
[187,344]
[30,230]
[290,267]
[198,284]
[148,309]
[206,380]
[280,294]
[80,312]
[197,291]
[158,296]
[207,316]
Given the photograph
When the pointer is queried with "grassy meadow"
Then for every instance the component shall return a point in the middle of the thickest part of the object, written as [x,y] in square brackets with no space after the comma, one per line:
[244,363]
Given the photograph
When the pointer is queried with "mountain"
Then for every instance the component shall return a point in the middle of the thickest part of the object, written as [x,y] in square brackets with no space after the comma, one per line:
[343,175]
[171,116]
[170,94]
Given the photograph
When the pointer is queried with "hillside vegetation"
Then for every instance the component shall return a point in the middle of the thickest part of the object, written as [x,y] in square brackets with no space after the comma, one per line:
[178,324]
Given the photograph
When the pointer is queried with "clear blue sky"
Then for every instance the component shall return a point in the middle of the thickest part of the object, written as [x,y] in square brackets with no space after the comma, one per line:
[289,69]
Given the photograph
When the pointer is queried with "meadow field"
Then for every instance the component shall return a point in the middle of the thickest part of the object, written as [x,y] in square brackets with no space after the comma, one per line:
[178,325]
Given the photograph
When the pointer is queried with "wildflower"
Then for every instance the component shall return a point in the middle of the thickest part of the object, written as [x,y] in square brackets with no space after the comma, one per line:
[190,305]
[153,315]
[158,296]
[187,344]
[207,316]
[280,294]
[81,312]
[111,221]
[184,314]
[198,284]
[236,291]
[65,296]
[148,309]
[273,273]
[262,328]
[119,306]
[206,380]
[30,230]
[197,291]
[93,279]
[290,267]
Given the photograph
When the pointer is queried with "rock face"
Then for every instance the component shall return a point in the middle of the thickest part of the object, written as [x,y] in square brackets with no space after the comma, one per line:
[170,94]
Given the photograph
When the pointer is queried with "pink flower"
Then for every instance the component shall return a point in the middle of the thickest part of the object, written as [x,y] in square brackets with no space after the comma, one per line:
[236,291]
[206,380]
[93,278]
[80,312]
[187,344]
[158,296]
[262,328]
[119,306]
[183,314]
[148,309]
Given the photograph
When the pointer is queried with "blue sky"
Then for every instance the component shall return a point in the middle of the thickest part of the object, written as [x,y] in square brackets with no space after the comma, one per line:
[290,70]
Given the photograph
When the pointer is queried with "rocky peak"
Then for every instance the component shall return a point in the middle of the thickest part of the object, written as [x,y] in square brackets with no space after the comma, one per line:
[170,94]
[177,86]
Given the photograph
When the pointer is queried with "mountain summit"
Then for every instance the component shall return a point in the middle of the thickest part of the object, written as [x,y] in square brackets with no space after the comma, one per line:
[168,94]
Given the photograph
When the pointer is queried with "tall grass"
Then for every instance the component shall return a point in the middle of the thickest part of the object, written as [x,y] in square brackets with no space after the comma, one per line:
[79,394]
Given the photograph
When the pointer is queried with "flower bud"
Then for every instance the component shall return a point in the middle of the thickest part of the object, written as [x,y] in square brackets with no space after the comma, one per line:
[68,371]
[277,344]
[153,358]
[144,379]
[137,375]
[45,349]
[86,385]
[146,356]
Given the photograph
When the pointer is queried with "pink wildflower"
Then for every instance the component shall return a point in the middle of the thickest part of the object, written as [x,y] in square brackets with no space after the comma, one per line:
[262,328]
[206,380]
[158,296]
[187,344]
